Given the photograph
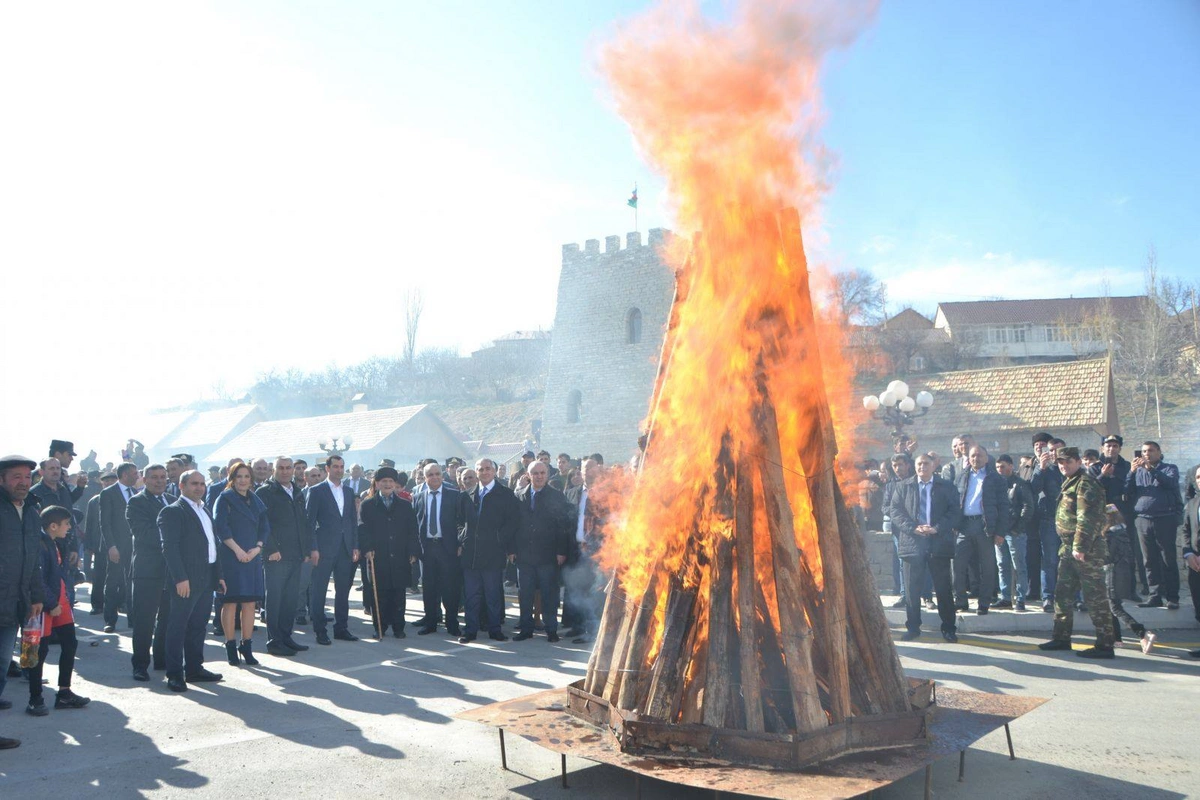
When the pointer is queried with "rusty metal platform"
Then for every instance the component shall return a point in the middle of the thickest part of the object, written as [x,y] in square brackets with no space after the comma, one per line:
[961,719]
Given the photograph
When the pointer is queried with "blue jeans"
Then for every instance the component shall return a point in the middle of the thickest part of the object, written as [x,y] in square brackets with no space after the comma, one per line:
[1050,545]
[8,638]
[1011,555]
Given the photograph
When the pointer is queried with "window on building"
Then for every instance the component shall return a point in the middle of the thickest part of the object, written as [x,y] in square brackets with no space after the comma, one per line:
[1006,334]
[574,406]
[1056,333]
[917,364]
[633,326]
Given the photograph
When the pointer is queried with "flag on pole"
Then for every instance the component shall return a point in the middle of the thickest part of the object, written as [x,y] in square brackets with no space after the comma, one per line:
[632,201]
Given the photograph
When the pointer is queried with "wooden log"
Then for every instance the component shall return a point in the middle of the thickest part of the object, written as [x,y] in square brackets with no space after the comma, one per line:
[868,625]
[600,661]
[773,683]
[743,532]
[634,674]
[666,683]
[717,688]
[794,631]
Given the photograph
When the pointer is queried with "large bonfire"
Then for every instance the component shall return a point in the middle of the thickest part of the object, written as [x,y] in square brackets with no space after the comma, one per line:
[740,599]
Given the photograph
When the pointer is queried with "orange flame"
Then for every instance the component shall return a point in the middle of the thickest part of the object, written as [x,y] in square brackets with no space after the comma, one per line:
[729,114]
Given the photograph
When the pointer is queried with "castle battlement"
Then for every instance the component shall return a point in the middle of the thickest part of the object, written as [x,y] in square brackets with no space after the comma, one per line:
[656,237]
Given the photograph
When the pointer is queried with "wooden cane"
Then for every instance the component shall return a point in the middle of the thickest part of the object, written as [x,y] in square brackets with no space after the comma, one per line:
[375,593]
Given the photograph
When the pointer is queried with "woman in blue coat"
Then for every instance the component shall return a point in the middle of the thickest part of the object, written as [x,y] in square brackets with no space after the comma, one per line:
[240,522]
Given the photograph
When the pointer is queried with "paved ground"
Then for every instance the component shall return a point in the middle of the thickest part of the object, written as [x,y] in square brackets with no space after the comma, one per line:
[376,718]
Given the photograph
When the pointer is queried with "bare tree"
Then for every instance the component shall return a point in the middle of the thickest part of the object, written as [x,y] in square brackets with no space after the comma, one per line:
[858,297]
[414,304]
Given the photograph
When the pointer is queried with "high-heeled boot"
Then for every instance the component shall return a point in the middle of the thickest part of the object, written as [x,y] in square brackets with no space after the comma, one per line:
[248,653]
[232,651]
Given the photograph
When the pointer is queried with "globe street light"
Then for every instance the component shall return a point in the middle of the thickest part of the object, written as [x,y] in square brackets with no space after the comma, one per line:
[897,407]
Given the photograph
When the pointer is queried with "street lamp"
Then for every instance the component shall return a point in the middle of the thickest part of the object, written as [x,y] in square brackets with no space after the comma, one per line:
[897,407]
[330,444]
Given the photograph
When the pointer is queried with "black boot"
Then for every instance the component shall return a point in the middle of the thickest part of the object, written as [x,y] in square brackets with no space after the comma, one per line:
[232,651]
[248,653]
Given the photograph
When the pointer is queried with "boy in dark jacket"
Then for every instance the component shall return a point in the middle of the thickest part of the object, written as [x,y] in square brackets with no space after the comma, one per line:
[58,624]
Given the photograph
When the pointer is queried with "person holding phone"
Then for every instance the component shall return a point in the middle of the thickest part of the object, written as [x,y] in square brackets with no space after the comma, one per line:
[1153,485]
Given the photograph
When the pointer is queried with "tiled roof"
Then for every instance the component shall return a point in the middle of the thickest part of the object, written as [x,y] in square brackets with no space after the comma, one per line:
[208,427]
[1065,394]
[291,436]
[908,318]
[1058,309]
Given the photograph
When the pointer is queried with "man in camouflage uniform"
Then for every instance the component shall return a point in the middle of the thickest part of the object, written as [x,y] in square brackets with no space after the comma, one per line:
[1080,521]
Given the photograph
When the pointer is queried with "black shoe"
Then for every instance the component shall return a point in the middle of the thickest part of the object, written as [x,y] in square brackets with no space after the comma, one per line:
[299,648]
[574,632]
[466,638]
[950,636]
[552,638]
[581,639]
[901,603]
[279,650]
[1020,605]
[1097,652]
[9,744]
[520,637]
[5,705]
[247,650]
[95,612]
[323,638]
[1048,606]
[427,630]
[909,636]
[231,651]
[37,708]
[399,634]
[963,607]
[1003,604]
[345,636]
[140,674]
[498,637]
[1055,644]
[1172,605]
[301,620]
[981,612]
[176,684]
[110,628]
[1153,602]
[68,699]
[454,631]
[203,676]
[1194,653]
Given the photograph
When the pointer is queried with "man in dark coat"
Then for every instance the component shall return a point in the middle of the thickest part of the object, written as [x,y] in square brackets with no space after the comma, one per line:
[1022,510]
[95,559]
[189,548]
[117,544]
[151,603]
[489,518]
[330,507]
[983,526]
[542,545]
[388,535]
[1111,471]
[437,506]
[584,596]
[21,590]
[52,490]
[1191,542]
[287,548]
[1153,487]
[924,511]
[1045,483]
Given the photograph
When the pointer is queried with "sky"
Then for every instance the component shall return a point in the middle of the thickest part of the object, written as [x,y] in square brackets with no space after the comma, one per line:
[193,194]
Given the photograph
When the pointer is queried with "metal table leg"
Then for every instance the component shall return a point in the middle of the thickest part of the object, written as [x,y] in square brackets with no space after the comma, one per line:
[928,781]
[503,755]
[564,771]
[962,764]
[1008,735]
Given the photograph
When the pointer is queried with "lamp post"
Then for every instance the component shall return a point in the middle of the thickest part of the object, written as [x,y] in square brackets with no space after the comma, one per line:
[330,444]
[896,407]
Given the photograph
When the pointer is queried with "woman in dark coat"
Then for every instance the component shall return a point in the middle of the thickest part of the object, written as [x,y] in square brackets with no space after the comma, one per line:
[388,535]
[240,522]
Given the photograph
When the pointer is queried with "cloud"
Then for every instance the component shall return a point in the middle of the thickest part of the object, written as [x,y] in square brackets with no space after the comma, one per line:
[878,245]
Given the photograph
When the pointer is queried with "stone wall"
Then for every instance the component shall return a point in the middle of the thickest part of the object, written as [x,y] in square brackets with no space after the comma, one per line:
[599,385]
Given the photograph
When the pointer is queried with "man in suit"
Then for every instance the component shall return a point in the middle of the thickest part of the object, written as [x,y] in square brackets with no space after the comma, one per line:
[489,518]
[189,551]
[175,468]
[357,481]
[95,559]
[982,526]
[151,604]
[117,545]
[287,547]
[542,545]
[584,592]
[437,507]
[331,512]
[924,511]
[1191,543]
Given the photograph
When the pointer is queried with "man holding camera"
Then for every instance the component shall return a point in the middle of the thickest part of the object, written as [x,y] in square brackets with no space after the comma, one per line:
[1153,486]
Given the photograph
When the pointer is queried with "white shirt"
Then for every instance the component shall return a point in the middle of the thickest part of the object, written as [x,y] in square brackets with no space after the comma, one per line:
[926,495]
[129,492]
[435,531]
[206,523]
[483,490]
[339,496]
[579,532]
[287,487]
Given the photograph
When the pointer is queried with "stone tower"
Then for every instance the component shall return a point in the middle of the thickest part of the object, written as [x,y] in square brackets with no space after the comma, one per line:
[608,333]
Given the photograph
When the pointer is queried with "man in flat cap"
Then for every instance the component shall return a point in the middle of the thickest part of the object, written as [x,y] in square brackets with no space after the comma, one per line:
[1111,471]
[20,575]
[1080,521]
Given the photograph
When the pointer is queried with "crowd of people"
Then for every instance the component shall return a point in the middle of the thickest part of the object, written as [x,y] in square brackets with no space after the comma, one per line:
[174,551]
[1077,530]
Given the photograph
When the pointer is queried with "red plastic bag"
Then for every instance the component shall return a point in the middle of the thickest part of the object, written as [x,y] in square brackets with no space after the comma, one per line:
[31,640]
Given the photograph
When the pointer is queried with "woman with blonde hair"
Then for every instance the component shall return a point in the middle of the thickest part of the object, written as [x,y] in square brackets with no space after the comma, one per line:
[240,522]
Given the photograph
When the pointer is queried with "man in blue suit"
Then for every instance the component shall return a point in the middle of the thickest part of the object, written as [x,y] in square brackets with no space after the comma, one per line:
[437,507]
[330,507]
